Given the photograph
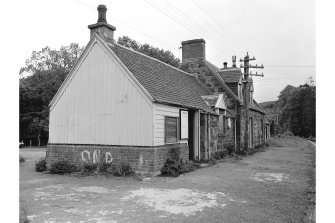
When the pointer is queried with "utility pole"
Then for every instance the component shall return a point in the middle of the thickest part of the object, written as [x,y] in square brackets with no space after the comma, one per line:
[246,98]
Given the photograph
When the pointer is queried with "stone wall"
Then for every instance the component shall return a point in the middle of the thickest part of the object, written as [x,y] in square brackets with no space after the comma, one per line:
[258,132]
[226,139]
[142,159]
[208,145]
[214,132]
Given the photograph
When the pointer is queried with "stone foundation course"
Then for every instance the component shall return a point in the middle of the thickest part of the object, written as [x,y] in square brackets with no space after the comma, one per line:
[141,159]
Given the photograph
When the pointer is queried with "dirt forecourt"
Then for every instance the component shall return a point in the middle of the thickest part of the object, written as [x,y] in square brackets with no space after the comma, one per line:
[276,185]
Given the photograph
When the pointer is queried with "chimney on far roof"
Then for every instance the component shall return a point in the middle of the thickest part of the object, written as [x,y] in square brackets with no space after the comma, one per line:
[105,30]
[234,61]
[193,49]
[225,65]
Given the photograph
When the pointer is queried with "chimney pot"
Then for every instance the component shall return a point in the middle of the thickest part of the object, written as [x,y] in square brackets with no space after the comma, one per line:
[234,61]
[102,9]
[225,65]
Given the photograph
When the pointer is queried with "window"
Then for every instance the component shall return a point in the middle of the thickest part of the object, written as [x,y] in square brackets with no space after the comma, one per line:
[171,129]
[251,99]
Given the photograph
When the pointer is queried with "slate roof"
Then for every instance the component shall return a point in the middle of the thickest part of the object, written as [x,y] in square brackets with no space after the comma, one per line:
[230,75]
[215,71]
[256,107]
[163,82]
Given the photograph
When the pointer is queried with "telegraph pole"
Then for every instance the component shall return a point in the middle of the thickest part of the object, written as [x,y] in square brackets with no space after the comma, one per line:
[246,97]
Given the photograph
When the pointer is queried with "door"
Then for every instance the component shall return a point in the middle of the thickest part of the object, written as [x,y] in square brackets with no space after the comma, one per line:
[251,133]
[194,134]
[191,134]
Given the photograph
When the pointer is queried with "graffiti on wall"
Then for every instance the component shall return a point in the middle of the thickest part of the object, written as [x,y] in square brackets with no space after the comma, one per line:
[86,156]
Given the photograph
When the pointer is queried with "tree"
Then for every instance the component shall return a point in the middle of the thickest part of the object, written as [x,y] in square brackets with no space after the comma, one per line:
[298,111]
[282,103]
[46,71]
[165,56]
[60,61]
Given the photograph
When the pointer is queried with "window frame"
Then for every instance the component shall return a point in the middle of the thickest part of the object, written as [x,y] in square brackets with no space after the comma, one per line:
[179,125]
[177,129]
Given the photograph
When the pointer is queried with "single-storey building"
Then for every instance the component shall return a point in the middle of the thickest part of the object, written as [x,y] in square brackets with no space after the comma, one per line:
[117,105]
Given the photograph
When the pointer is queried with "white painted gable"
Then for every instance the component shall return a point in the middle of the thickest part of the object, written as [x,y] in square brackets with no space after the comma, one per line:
[101,103]
[221,103]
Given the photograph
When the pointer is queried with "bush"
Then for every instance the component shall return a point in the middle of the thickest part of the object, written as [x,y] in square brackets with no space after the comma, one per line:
[22,159]
[87,169]
[117,169]
[175,167]
[41,165]
[218,155]
[90,167]
[62,167]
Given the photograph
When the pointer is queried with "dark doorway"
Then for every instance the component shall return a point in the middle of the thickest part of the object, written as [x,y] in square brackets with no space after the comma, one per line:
[190,134]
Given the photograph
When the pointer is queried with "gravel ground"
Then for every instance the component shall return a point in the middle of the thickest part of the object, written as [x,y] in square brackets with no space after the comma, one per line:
[277,185]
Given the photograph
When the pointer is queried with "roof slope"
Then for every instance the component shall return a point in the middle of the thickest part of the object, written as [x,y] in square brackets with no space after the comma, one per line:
[256,107]
[214,70]
[231,75]
[164,83]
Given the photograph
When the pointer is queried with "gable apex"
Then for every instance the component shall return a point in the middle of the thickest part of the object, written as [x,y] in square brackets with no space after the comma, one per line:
[96,40]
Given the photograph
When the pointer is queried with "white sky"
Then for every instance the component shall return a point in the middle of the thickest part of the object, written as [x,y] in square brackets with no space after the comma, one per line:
[276,32]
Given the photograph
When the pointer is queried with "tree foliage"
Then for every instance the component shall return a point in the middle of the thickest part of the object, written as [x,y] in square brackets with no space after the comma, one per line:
[165,56]
[298,110]
[59,61]
[46,71]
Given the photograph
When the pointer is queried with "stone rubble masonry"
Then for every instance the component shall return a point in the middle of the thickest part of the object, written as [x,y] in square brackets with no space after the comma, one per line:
[153,157]
[204,76]
[197,67]
[214,131]
[207,149]
[258,136]
[226,140]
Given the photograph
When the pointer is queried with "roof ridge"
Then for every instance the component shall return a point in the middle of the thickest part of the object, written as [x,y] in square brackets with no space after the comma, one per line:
[212,64]
[152,58]
[230,69]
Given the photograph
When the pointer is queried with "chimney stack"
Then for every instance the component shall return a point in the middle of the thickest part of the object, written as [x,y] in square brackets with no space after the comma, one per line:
[234,61]
[225,65]
[193,49]
[104,30]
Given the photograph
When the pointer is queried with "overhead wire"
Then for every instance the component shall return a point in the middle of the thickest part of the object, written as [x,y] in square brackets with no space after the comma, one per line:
[213,27]
[194,24]
[220,25]
[289,66]
[153,4]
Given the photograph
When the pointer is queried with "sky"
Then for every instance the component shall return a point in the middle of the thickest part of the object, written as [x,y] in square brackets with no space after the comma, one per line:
[280,34]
